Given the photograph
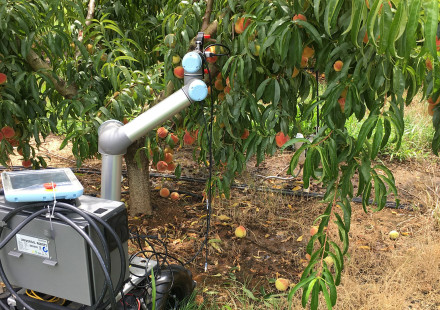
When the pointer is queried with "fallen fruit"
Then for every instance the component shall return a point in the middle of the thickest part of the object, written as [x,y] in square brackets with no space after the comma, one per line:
[338,65]
[240,232]
[282,284]
[179,72]
[162,132]
[314,230]
[394,234]
[281,139]
[175,196]
[164,192]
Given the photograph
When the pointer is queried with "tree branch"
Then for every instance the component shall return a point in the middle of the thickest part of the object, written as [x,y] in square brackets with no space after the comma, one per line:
[90,12]
[207,16]
[40,66]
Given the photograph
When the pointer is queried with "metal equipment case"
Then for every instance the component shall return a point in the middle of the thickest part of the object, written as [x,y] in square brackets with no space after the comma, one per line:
[50,257]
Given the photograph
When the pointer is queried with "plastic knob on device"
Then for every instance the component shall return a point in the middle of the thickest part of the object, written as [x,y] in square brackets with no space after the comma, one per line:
[197,90]
[192,62]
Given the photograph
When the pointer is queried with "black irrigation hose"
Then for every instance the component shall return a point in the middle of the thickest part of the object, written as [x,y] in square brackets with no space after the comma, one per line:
[388,204]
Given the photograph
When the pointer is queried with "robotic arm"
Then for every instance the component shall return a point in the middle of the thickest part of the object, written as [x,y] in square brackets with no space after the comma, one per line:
[115,137]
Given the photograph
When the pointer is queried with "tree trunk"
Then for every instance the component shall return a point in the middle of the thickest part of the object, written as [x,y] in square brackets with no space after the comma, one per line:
[138,180]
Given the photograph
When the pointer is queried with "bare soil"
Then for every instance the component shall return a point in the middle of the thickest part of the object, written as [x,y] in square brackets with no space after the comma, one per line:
[380,273]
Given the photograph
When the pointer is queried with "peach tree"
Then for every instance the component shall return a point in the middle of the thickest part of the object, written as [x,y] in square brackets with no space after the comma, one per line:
[70,65]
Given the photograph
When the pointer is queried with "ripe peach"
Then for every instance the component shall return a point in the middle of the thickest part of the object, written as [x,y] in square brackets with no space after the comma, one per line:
[365,40]
[281,139]
[162,166]
[218,84]
[428,64]
[8,132]
[175,196]
[342,103]
[171,167]
[164,192]
[189,138]
[241,24]
[240,232]
[227,89]
[3,78]
[26,163]
[221,96]
[282,284]
[295,72]
[304,61]
[245,134]
[174,138]
[338,65]
[308,256]
[313,230]
[219,76]
[162,132]
[168,158]
[308,52]
[300,17]
[179,72]
[211,59]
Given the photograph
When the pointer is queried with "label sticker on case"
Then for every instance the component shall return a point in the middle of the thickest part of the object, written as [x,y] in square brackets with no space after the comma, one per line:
[32,245]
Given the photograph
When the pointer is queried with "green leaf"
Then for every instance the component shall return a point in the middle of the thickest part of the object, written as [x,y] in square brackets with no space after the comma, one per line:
[366,128]
[411,26]
[301,284]
[276,97]
[371,20]
[431,24]
[377,141]
[326,294]
[261,88]
[399,20]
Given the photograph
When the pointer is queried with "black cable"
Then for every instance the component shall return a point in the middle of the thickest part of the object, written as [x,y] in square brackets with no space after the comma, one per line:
[120,283]
[5,307]
[98,255]
[88,218]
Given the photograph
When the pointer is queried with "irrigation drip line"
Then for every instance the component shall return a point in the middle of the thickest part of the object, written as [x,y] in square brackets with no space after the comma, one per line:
[287,192]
